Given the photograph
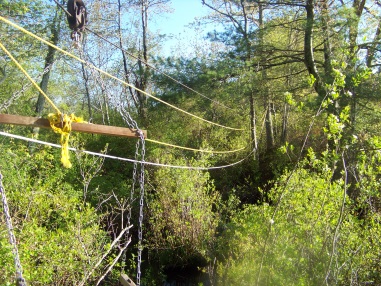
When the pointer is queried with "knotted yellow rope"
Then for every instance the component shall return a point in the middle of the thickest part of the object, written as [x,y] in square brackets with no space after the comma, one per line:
[62,120]
[61,124]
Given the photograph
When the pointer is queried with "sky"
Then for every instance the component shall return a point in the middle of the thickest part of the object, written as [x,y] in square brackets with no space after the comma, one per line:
[175,23]
[184,13]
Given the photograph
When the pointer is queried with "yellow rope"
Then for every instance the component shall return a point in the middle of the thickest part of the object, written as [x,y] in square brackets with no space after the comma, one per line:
[193,149]
[54,118]
[29,77]
[57,117]
[113,77]
[64,123]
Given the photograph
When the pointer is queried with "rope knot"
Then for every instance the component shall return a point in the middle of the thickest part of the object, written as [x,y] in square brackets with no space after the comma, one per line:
[61,124]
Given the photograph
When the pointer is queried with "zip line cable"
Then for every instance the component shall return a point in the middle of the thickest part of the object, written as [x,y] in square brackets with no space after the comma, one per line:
[100,80]
[194,149]
[63,8]
[124,159]
[114,77]
[148,140]
[146,63]
[156,69]
[89,65]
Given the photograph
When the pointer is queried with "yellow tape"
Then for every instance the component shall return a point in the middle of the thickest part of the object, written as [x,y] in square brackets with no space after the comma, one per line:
[64,128]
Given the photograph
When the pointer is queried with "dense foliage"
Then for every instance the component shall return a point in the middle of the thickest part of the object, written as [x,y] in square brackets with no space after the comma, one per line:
[277,178]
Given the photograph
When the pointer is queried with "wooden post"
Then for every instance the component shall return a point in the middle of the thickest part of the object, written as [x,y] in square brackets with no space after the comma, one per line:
[126,281]
[78,127]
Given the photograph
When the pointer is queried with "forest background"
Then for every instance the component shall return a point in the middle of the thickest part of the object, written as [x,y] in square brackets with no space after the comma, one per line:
[278,111]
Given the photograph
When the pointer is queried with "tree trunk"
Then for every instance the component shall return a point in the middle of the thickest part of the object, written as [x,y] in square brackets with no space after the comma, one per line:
[308,49]
[284,123]
[253,125]
[358,7]
[125,66]
[142,80]
[268,106]
[55,30]
[86,78]
[269,128]
[372,48]
[327,42]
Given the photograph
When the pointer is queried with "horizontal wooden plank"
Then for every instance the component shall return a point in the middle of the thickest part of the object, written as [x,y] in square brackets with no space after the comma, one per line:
[78,127]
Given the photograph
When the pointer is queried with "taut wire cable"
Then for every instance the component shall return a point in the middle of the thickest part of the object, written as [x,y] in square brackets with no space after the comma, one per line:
[124,159]
[98,78]
[194,149]
[114,77]
[156,69]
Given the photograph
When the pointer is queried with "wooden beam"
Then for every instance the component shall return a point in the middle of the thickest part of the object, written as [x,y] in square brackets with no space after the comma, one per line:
[126,281]
[78,127]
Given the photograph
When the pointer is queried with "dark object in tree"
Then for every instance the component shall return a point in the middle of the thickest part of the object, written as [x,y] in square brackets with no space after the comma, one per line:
[78,18]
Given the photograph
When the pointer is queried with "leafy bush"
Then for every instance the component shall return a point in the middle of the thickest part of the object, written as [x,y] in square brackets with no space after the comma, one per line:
[59,237]
[183,215]
[310,235]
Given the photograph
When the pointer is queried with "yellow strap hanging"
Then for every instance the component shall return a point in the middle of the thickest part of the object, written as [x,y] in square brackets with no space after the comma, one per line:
[62,120]
[64,128]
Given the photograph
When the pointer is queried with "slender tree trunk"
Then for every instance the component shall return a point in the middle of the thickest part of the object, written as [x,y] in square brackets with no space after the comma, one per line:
[358,7]
[86,78]
[142,81]
[253,125]
[55,29]
[309,59]
[125,66]
[269,128]
[372,49]
[268,105]
[327,42]
[284,123]
[49,59]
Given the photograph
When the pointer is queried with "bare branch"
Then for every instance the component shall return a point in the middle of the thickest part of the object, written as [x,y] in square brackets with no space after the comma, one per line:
[116,240]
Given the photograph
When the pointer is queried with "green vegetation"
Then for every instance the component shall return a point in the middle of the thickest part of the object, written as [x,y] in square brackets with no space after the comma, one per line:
[291,199]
